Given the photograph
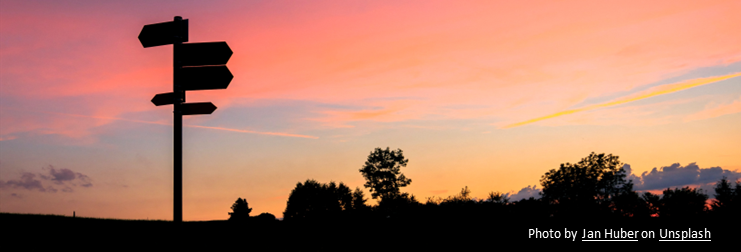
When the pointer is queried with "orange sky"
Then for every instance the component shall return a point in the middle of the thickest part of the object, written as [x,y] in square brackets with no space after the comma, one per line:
[319,84]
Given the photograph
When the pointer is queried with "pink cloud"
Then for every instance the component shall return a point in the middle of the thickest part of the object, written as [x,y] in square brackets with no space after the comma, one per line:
[716,110]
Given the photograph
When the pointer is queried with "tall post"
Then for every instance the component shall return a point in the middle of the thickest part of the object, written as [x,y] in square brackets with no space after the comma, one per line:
[178,126]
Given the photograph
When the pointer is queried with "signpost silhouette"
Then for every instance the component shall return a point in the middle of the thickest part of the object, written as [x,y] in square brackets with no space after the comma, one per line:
[196,66]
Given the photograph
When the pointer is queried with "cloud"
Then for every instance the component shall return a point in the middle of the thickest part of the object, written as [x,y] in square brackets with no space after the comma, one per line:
[61,175]
[656,113]
[525,193]
[27,181]
[716,111]
[253,132]
[655,91]
[6,138]
[64,177]
[107,118]
[676,175]
[85,181]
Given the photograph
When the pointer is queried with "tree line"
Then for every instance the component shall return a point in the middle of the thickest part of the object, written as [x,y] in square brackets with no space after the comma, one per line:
[596,186]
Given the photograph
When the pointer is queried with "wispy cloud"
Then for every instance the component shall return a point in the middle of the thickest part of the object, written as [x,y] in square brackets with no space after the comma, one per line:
[655,91]
[716,110]
[252,132]
[6,138]
[184,125]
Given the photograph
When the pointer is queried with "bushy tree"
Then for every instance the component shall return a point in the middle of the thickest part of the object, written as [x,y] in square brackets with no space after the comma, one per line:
[464,197]
[240,210]
[684,202]
[383,175]
[587,187]
[498,198]
[265,218]
[433,201]
[630,204]
[314,200]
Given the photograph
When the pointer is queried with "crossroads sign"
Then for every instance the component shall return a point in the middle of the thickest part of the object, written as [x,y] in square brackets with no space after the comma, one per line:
[196,66]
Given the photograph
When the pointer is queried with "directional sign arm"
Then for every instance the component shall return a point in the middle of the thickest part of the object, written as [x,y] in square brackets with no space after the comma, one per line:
[202,54]
[164,33]
[197,108]
[202,78]
[164,99]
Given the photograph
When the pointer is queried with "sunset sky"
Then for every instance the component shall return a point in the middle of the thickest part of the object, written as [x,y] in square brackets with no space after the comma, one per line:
[485,94]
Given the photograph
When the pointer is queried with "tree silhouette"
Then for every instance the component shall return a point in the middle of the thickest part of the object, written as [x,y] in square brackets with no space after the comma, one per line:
[630,204]
[265,218]
[241,210]
[343,195]
[587,187]
[313,200]
[684,202]
[382,173]
[358,200]
[498,198]
[727,198]
[464,197]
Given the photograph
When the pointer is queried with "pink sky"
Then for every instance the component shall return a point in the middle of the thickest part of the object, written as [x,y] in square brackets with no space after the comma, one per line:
[319,84]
